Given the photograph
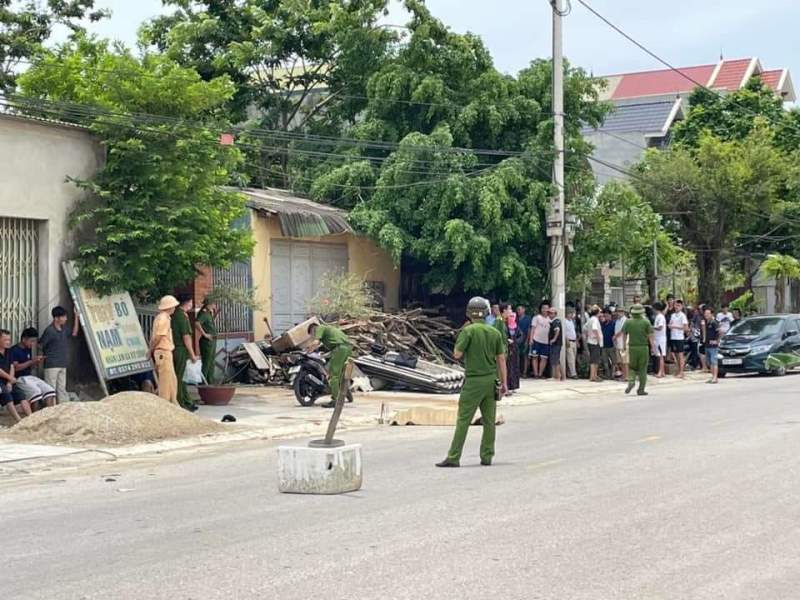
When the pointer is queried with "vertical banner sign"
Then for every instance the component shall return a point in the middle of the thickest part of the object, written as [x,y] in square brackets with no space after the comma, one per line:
[112,330]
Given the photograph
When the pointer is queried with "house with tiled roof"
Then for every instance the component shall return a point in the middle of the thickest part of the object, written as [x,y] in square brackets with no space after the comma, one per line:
[646,106]
[648,103]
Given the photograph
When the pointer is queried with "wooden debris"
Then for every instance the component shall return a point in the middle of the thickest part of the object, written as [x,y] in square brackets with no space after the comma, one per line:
[412,332]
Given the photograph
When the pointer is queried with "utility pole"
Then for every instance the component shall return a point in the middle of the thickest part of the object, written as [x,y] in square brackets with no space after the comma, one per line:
[558,222]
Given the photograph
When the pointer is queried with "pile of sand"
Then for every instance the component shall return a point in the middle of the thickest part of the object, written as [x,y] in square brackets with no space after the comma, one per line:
[119,420]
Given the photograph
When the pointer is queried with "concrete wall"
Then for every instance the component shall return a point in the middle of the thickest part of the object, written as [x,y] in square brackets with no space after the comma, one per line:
[364,258]
[35,160]
[624,152]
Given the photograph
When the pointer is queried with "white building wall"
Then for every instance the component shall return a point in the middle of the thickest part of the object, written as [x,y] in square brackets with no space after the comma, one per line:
[35,160]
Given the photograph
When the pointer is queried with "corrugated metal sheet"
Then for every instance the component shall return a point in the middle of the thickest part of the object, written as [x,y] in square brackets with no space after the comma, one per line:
[298,217]
[19,270]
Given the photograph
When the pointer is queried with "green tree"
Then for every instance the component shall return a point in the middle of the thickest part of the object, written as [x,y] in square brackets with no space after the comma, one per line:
[26,25]
[157,209]
[298,65]
[619,225]
[467,189]
[784,269]
[709,193]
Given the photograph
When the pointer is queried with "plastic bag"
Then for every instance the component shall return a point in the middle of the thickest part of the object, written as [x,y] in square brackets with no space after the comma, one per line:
[193,375]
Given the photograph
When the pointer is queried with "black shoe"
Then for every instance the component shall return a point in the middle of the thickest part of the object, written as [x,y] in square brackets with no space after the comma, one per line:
[486,463]
[191,407]
[629,387]
[447,464]
[641,393]
[330,404]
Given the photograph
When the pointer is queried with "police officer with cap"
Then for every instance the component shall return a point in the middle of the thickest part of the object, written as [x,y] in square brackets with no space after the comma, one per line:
[483,349]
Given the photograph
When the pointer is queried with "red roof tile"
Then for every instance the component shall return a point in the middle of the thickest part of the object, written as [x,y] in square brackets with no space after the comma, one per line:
[662,82]
[731,74]
[772,78]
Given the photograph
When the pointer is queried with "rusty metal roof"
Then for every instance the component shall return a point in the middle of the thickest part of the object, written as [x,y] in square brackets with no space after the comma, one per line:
[298,217]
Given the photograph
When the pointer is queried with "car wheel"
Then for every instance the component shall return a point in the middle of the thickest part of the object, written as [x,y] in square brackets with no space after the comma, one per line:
[722,373]
[779,372]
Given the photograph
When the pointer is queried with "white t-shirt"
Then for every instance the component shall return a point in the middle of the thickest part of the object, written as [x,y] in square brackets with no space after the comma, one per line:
[678,318]
[594,332]
[541,329]
[724,319]
[661,321]
[619,342]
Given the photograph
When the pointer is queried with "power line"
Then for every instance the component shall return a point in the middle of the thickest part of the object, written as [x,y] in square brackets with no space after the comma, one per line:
[670,66]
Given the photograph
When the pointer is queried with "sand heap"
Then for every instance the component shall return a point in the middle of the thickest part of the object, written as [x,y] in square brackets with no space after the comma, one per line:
[119,420]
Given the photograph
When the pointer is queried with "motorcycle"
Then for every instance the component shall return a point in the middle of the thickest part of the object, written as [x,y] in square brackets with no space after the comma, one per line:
[310,379]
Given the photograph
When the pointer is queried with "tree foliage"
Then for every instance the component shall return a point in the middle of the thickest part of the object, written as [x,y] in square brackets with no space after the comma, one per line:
[25,26]
[156,210]
[709,193]
[784,269]
[619,225]
[466,190]
[297,65]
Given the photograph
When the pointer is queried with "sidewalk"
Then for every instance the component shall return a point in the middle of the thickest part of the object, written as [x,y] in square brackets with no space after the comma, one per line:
[273,413]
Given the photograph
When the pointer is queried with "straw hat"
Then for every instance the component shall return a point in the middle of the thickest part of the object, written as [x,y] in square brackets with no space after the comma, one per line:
[168,302]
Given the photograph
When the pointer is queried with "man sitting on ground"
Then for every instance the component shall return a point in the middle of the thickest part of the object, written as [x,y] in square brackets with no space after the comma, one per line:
[10,395]
[36,391]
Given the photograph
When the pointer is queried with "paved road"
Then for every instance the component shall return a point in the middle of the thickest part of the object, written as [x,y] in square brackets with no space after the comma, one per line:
[691,493]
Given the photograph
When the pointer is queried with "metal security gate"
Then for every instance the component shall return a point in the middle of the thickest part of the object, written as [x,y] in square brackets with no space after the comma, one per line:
[297,268]
[234,317]
[19,272]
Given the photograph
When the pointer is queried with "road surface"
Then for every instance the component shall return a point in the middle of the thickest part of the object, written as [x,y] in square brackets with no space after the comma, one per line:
[692,492]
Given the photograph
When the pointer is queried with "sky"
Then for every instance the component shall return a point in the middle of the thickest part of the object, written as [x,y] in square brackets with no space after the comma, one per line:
[683,32]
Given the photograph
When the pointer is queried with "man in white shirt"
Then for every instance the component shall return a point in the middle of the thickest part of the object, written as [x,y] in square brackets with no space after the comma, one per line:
[619,343]
[660,330]
[725,320]
[571,343]
[678,324]
[594,340]
[539,340]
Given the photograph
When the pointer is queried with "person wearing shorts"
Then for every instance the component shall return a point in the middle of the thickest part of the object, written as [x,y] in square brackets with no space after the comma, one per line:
[540,340]
[711,332]
[594,340]
[11,398]
[678,324]
[660,331]
[37,392]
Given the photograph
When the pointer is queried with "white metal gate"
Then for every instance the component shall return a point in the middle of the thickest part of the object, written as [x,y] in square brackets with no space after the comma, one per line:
[297,268]
[19,271]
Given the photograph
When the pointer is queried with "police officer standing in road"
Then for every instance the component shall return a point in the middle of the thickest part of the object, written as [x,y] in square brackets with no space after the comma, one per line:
[483,349]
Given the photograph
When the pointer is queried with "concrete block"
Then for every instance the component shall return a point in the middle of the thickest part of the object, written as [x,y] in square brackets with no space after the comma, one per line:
[303,470]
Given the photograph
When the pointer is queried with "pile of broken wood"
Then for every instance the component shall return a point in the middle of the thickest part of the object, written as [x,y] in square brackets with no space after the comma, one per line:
[419,332]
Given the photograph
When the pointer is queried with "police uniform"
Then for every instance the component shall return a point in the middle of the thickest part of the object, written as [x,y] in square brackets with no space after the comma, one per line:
[208,347]
[639,330]
[480,344]
[181,327]
[337,343]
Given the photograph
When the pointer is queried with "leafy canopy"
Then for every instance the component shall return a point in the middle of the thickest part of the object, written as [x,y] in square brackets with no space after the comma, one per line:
[25,26]
[157,209]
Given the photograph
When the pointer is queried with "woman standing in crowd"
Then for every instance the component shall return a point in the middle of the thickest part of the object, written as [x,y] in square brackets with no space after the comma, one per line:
[512,357]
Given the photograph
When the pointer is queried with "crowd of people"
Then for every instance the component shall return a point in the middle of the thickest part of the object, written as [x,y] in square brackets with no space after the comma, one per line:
[22,392]
[172,345]
[595,344]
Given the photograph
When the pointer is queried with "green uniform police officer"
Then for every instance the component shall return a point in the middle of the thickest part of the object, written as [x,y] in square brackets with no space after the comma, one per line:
[639,335]
[336,342]
[483,348]
[184,348]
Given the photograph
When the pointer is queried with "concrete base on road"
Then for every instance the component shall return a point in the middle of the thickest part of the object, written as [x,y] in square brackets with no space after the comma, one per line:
[303,470]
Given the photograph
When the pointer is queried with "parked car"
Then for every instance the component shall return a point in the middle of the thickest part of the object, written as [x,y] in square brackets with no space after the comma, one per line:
[761,344]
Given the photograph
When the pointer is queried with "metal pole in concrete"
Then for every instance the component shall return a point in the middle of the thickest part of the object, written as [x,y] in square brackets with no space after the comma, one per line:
[558,240]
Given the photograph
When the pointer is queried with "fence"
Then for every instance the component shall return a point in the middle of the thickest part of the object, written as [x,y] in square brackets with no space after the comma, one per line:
[234,317]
